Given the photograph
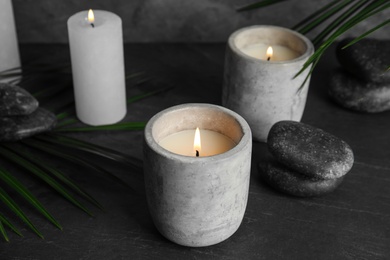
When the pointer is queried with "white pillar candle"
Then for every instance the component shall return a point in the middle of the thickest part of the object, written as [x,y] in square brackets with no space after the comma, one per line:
[98,67]
[212,143]
[9,51]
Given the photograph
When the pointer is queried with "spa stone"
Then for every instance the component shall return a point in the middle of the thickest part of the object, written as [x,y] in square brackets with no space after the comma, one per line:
[309,150]
[288,181]
[15,101]
[359,95]
[367,59]
[19,127]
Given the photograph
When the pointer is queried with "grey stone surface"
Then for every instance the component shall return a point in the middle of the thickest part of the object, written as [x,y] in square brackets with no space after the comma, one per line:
[355,94]
[19,127]
[367,59]
[288,181]
[15,101]
[309,150]
[168,20]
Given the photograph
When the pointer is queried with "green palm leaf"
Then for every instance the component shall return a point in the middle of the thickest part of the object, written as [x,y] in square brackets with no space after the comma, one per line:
[60,146]
[6,222]
[8,201]
[26,194]
[3,232]
[14,156]
[53,150]
[55,173]
[118,126]
[259,5]
[92,148]
[344,22]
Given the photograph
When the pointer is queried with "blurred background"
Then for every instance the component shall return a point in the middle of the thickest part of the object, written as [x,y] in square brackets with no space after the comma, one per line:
[44,21]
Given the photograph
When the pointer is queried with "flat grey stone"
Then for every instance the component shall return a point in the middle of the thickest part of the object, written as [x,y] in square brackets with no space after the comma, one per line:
[288,181]
[367,59]
[15,101]
[18,127]
[309,150]
[358,95]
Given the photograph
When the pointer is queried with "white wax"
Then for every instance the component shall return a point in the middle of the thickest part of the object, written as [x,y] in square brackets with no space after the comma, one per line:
[98,67]
[280,53]
[9,51]
[212,143]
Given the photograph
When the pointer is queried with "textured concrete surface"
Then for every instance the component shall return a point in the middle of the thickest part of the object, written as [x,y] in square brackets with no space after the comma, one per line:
[197,201]
[165,21]
[350,223]
[261,91]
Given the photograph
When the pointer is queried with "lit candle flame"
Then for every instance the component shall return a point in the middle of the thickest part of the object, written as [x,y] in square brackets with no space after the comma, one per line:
[270,52]
[91,17]
[197,144]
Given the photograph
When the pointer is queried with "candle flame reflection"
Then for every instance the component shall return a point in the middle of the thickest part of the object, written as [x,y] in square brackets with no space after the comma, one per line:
[197,143]
[91,17]
[270,52]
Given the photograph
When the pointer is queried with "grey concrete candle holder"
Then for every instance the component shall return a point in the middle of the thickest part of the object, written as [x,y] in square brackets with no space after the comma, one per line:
[264,92]
[197,201]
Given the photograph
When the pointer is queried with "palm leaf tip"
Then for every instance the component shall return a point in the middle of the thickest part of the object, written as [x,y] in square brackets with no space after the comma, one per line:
[3,232]
[259,4]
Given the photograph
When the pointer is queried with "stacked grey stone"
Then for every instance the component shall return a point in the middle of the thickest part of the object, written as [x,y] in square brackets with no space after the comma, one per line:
[20,115]
[363,82]
[306,161]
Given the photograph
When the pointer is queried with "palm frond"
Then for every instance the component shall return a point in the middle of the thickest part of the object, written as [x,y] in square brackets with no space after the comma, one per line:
[14,155]
[379,26]
[325,16]
[337,22]
[93,149]
[52,150]
[26,194]
[259,4]
[3,232]
[10,203]
[6,222]
[118,126]
[355,12]
[60,146]
[314,15]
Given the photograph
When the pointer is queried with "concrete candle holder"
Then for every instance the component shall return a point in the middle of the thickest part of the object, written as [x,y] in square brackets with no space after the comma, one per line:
[197,201]
[264,92]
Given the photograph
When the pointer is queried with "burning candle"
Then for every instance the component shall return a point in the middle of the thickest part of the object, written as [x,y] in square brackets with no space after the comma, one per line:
[96,48]
[270,53]
[197,201]
[197,142]
[260,84]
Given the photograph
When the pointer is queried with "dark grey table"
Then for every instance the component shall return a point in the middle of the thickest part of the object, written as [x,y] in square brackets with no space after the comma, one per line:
[353,222]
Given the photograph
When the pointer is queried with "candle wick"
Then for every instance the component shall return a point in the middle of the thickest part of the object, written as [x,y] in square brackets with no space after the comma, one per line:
[93,26]
[197,153]
[269,58]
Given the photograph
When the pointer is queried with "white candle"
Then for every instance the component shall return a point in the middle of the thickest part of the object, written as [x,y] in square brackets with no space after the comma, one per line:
[96,49]
[280,52]
[182,142]
[9,52]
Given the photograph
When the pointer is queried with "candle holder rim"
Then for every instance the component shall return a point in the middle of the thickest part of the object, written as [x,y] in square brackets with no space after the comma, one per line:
[246,136]
[309,45]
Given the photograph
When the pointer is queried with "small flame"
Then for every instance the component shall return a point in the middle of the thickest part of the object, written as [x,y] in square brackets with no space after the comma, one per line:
[270,52]
[91,17]
[197,143]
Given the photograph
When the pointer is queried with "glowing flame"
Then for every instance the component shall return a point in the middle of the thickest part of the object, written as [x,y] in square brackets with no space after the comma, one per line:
[270,52]
[91,17]
[197,144]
